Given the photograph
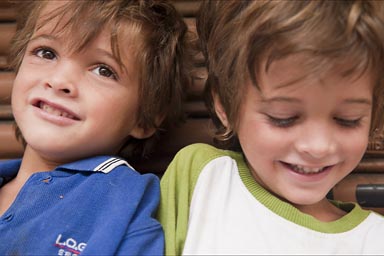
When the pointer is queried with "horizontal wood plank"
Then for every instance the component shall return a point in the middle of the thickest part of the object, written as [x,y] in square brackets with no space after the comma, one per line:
[6,81]
[3,63]
[7,11]
[6,113]
[9,146]
[7,31]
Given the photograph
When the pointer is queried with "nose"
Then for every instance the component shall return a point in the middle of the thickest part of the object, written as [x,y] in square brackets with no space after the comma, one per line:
[317,141]
[63,79]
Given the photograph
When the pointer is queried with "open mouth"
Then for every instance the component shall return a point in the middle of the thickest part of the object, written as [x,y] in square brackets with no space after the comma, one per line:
[56,111]
[305,170]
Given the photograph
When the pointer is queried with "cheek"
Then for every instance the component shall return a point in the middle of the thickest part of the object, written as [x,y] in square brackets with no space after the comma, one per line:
[259,139]
[16,87]
[117,112]
[356,145]
[352,146]
[24,81]
[17,96]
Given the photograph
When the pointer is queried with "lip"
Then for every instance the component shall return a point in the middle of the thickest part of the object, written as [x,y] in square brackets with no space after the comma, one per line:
[306,169]
[68,117]
[317,172]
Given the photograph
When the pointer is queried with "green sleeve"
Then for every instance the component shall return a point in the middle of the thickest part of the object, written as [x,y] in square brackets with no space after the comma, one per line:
[177,187]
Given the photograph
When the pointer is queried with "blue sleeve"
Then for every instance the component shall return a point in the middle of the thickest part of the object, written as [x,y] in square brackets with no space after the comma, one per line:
[145,234]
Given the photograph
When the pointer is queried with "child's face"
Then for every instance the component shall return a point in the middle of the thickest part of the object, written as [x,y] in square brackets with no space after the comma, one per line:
[303,135]
[70,105]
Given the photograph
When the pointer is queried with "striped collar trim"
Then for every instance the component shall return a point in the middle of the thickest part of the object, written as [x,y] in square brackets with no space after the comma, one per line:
[110,164]
[103,164]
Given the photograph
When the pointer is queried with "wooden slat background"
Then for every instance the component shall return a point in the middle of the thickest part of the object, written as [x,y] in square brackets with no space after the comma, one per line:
[197,128]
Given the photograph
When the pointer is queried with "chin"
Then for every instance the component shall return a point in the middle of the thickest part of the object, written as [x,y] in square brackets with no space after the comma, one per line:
[305,198]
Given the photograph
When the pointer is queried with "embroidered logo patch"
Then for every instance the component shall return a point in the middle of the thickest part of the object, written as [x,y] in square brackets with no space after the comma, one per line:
[69,246]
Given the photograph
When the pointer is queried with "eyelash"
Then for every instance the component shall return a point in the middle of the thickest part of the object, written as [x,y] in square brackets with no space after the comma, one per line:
[36,52]
[113,74]
[348,123]
[282,122]
[43,50]
[287,122]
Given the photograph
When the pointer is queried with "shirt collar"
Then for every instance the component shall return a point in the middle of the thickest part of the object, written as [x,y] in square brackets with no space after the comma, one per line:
[105,164]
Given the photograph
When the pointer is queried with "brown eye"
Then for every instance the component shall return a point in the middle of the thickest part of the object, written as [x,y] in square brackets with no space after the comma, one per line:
[104,71]
[45,54]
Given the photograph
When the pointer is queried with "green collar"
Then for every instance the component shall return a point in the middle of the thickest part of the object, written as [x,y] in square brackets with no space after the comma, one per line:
[349,221]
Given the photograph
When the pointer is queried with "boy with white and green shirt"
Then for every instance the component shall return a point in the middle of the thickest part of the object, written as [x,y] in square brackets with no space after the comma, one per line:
[218,208]
[296,84]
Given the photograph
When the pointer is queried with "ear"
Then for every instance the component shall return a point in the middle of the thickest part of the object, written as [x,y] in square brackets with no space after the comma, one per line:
[141,133]
[220,112]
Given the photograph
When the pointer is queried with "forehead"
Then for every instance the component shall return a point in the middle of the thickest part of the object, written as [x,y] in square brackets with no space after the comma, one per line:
[301,68]
[51,10]
[54,18]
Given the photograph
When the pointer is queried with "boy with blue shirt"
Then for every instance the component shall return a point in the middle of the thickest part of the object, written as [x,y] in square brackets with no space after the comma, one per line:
[94,79]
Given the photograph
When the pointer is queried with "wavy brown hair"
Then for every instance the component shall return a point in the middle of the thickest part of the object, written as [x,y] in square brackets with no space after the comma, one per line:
[237,36]
[163,52]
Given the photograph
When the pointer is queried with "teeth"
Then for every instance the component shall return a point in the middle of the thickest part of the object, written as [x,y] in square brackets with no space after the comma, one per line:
[306,170]
[55,111]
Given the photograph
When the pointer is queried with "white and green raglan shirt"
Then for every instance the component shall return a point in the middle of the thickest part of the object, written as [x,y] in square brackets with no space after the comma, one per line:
[210,204]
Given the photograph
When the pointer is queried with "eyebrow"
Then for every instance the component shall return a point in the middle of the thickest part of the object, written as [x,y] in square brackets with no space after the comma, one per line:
[43,36]
[112,57]
[280,99]
[363,101]
[358,101]
[105,53]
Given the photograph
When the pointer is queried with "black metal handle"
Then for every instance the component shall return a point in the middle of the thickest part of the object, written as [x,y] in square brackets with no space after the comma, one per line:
[370,195]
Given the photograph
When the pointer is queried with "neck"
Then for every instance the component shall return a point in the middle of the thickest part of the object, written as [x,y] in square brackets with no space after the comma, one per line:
[32,162]
[324,211]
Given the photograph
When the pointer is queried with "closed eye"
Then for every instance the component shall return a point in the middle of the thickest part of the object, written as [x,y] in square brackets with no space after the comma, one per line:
[106,71]
[349,123]
[282,122]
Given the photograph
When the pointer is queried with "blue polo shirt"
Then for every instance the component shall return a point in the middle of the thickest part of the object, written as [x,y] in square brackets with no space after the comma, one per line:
[96,206]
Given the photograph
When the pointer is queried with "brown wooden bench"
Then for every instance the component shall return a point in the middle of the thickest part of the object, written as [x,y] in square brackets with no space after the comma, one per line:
[365,185]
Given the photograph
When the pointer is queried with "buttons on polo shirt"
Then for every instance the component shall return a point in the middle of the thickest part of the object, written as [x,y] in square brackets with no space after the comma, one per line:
[8,217]
[47,179]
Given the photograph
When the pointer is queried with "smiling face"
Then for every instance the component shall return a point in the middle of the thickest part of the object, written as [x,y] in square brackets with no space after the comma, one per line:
[303,134]
[74,104]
